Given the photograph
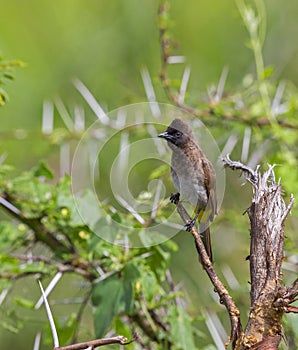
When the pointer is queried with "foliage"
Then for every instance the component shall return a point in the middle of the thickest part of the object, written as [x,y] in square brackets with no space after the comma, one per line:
[7,69]
[123,283]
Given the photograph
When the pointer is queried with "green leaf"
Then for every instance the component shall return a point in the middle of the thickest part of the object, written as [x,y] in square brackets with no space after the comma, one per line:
[107,296]
[158,262]
[9,327]
[267,72]
[181,329]
[116,217]
[153,238]
[66,328]
[65,197]
[28,304]
[130,275]
[42,170]
[88,208]
[150,285]
[122,328]
[9,235]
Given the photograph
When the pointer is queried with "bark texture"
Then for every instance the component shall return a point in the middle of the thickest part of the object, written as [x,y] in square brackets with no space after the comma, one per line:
[269,298]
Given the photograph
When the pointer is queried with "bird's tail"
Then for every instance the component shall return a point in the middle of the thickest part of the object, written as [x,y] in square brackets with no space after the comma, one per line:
[206,238]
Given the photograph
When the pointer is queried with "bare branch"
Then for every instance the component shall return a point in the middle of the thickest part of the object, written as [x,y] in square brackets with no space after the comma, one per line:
[251,175]
[269,299]
[291,308]
[97,342]
[225,298]
[292,292]
[288,209]
[80,314]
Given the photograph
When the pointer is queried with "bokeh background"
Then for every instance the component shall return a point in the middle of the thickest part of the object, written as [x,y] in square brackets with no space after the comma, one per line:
[105,44]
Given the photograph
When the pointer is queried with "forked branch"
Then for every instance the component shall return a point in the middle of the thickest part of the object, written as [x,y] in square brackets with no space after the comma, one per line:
[269,298]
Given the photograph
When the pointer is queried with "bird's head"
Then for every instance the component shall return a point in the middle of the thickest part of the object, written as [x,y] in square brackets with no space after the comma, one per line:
[178,133]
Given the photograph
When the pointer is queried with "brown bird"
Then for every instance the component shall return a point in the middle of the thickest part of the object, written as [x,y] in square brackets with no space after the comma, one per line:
[193,176]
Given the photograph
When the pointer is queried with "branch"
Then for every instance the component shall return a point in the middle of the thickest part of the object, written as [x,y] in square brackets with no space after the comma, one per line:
[61,267]
[225,298]
[251,175]
[41,233]
[291,308]
[97,342]
[293,290]
[167,45]
[269,299]
[80,314]
[270,343]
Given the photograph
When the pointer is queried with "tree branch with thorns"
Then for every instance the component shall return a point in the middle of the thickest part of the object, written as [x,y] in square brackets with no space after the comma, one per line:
[217,99]
[270,300]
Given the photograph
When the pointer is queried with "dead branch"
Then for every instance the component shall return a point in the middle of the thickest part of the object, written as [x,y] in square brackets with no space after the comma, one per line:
[251,175]
[269,299]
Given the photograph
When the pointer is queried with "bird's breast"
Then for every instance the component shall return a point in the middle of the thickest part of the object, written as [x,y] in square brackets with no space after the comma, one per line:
[189,181]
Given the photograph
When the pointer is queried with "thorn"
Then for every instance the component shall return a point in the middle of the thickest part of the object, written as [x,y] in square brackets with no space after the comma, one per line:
[150,93]
[184,83]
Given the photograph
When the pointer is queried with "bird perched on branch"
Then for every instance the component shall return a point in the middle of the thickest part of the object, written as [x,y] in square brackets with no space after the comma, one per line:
[193,176]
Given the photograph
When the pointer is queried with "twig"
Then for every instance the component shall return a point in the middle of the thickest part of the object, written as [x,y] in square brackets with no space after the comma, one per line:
[96,343]
[41,233]
[289,207]
[251,175]
[80,314]
[225,298]
[171,284]
[291,308]
[292,292]
[63,268]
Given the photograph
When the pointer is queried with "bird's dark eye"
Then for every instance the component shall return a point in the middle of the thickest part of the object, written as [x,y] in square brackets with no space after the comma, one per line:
[178,133]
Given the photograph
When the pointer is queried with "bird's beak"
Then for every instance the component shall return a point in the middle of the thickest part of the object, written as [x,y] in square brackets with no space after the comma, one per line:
[164,135]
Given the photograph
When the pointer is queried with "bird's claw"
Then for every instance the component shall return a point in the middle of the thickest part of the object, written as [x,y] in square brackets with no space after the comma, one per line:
[174,197]
[190,225]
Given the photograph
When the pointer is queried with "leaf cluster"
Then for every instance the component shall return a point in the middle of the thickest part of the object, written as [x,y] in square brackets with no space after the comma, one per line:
[7,70]
[129,289]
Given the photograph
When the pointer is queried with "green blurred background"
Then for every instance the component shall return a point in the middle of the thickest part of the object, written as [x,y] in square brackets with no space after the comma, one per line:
[105,44]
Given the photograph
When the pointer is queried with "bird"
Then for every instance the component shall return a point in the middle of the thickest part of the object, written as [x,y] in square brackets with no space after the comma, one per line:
[193,176]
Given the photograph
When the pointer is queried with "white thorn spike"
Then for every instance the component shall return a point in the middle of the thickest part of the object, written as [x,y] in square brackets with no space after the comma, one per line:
[150,93]
[47,117]
[50,317]
[184,83]
[92,102]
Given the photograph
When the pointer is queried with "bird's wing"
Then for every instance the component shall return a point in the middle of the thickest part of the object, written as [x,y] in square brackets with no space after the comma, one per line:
[210,185]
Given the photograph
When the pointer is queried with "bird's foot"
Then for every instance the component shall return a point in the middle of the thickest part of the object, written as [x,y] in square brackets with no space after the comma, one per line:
[174,198]
[190,225]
